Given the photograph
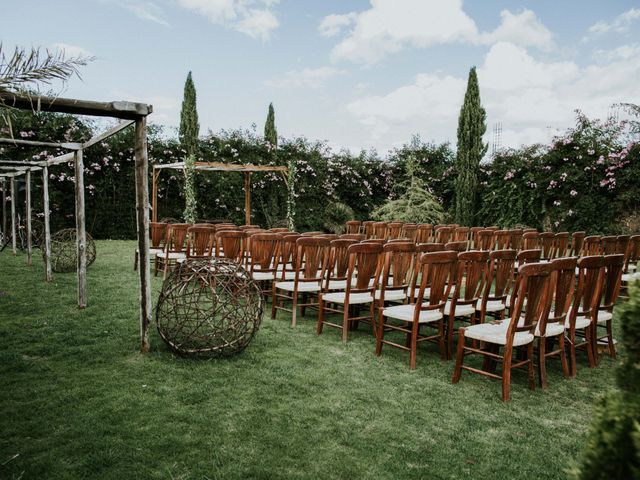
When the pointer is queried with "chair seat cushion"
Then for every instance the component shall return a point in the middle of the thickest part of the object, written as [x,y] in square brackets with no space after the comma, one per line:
[461,310]
[406,312]
[263,275]
[172,255]
[581,322]
[354,298]
[604,316]
[391,295]
[302,286]
[553,329]
[493,306]
[630,277]
[155,251]
[496,333]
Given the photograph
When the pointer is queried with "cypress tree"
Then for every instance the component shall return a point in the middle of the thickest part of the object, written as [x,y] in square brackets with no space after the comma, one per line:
[270,132]
[471,128]
[188,135]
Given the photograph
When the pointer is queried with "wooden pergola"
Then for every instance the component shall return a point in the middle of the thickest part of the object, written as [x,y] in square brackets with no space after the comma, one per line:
[129,113]
[246,169]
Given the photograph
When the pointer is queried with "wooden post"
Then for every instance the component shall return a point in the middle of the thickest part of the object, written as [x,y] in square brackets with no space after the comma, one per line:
[13,215]
[47,226]
[247,198]
[154,197]
[142,218]
[27,179]
[4,208]
[81,236]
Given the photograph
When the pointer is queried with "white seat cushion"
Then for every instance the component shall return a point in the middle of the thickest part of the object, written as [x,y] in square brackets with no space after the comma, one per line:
[604,316]
[406,312]
[354,298]
[155,251]
[493,306]
[581,322]
[302,286]
[262,276]
[461,310]
[391,295]
[172,255]
[630,277]
[337,285]
[553,329]
[496,334]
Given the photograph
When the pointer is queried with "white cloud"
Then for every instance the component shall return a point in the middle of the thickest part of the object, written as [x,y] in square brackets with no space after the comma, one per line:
[533,99]
[71,50]
[524,29]
[308,77]
[251,17]
[332,25]
[148,11]
[620,24]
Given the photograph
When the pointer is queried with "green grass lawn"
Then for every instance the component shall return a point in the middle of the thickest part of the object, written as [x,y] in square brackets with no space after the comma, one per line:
[77,400]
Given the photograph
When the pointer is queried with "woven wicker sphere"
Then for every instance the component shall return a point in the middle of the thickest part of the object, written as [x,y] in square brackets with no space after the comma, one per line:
[64,253]
[209,307]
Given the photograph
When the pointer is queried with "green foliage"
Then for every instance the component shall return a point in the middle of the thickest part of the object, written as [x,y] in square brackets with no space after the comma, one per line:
[336,214]
[471,128]
[612,449]
[189,129]
[190,201]
[270,132]
[291,195]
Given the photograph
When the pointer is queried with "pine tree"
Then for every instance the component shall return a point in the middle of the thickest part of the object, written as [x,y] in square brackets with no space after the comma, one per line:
[188,134]
[270,132]
[471,128]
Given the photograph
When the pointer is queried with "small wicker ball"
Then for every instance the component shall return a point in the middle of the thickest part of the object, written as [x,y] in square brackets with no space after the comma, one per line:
[209,308]
[64,253]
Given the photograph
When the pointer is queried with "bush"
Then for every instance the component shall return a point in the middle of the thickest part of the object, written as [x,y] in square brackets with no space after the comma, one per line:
[336,214]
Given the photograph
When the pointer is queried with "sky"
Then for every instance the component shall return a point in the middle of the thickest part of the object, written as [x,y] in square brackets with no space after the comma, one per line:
[357,74]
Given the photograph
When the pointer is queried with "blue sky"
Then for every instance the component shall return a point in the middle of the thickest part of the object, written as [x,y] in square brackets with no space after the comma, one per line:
[359,74]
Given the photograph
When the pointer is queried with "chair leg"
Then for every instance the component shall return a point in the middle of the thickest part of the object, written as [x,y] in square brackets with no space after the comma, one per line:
[563,357]
[374,324]
[135,261]
[345,324]
[274,301]
[450,324]
[380,333]
[612,347]
[294,309]
[414,346]
[506,374]
[591,332]
[530,370]
[320,315]
[573,367]
[442,343]
[542,367]
[457,371]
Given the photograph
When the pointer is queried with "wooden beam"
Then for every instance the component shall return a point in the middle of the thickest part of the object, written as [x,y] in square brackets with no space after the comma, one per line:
[4,207]
[20,170]
[104,135]
[27,179]
[13,215]
[81,236]
[37,143]
[64,158]
[47,225]
[239,167]
[247,198]
[119,109]
[25,163]
[142,221]
[154,194]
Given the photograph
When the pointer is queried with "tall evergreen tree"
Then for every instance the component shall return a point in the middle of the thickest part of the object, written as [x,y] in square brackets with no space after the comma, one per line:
[471,128]
[270,132]
[188,134]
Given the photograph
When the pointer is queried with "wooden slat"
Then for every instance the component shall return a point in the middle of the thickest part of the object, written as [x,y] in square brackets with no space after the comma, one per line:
[81,237]
[47,225]
[4,205]
[27,179]
[118,109]
[24,163]
[21,170]
[224,167]
[247,198]
[37,143]
[13,215]
[104,135]
[154,194]
[65,158]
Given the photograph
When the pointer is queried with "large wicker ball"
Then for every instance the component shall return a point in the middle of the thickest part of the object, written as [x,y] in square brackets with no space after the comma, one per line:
[209,307]
[64,253]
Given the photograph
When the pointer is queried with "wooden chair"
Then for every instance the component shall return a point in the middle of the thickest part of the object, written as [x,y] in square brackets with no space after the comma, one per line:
[287,266]
[394,230]
[560,245]
[444,234]
[457,246]
[230,245]
[622,244]
[509,335]
[473,237]
[410,231]
[531,241]
[577,239]
[174,248]
[425,233]
[354,226]
[248,227]
[263,265]
[547,243]
[552,327]
[353,236]
[379,241]
[200,242]
[312,234]
[312,259]
[430,247]
[461,234]
[609,245]
[158,237]
[629,272]
[486,239]
[328,236]
[516,238]
[338,268]
[381,230]
[279,230]
[503,239]
[591,246]
[587,296]
[436,271]
[613,265]
[471,275]
[499,284]
[364,266]
[367,228]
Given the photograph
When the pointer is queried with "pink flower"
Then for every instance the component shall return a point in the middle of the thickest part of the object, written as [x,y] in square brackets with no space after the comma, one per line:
[573,193]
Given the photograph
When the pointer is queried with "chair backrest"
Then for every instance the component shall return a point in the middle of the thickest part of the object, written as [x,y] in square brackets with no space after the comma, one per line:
[329,236]
[486,239]
[609,245]
[312,234]
[313,257]
[577,239]
[353,226]
[425,233]
[398,264]
[529,256]
[515,240]
[224,226]
[248,227]
[613,265]
[379,241]
[410,231]
[591,246]
[368,228]
[533,291]
[456,246]
[560,245]
[444,234]
[364,266]
[177,236]
[471,276]
[394,230]
[380,230]
[633,253]
[288,253]
[158,234]
[473,237]
[264,251]
[500,276]
[279,230]
[230,244]
[546,243]
[353,236]
[563,272]
[503,239]
[200,242]
[339,259]
[461,234]
[435,270]
[531,240]
[430,247]
[589,287]
[622,244]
